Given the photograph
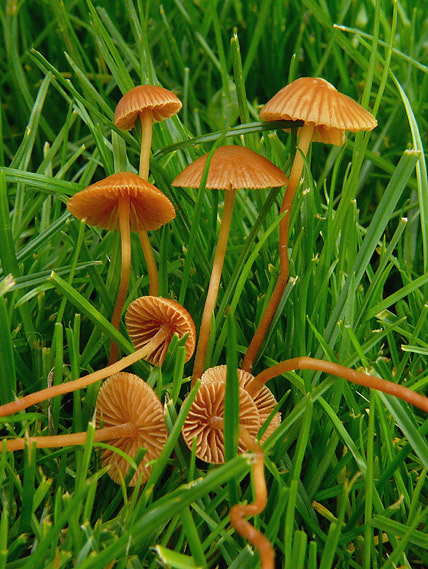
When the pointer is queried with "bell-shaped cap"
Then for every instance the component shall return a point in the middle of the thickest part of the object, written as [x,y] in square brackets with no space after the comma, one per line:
[99,203]
[160,101]
[205,421]
[232,167]
[152,317]
[317,101]
[126,398]
[264,400]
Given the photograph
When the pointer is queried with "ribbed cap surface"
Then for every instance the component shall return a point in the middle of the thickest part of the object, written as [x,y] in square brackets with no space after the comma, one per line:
[161,102]
[232,167]
[126,398]
[148,315]
[99,202]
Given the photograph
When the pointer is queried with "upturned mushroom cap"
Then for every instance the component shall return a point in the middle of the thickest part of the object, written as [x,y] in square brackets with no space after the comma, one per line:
[264,399]
[98,203]
[162,103]
[232,167]
[318,101]
[126,398]
[205,421]
[149,316]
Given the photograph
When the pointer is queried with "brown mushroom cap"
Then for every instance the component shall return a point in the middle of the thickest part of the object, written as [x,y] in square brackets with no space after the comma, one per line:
[264,399]
[162,103]
[205,421]
[98,203]
[148,316]
[126,398]
[232,167]
[318,101]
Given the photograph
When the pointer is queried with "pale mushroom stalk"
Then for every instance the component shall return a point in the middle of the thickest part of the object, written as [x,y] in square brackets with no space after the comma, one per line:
[125,233]
[150,262]
[238,511]
[85,381]
[214,284]
[146,118]
[73,439]
[338,370]
[305,138]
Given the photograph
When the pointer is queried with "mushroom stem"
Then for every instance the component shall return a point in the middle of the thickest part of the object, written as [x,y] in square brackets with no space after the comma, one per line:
[150,262]
[210,301]
[82,382]
[305,138]
[125,232]
[338,370]
[146,118]
[106,434]
[238,511]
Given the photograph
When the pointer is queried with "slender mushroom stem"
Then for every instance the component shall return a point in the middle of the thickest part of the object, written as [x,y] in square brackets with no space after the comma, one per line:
[146,118]
[306,135]
[82,382]
[125,232]
[106,434]
[338,370]
[150,262]
[238,511]
[210,301]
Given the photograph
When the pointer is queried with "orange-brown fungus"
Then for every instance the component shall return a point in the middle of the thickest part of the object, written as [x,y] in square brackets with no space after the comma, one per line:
[126,398]
[231,168]
[315,100]
[162,103]
[99,203]
[152,321]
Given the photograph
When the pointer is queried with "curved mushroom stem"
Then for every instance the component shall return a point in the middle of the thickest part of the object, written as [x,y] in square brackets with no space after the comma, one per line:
[146,118]
[238,511]
[306,135]
[338,370]
[210,301]
[82,382]
[125,232]
[150,262]
[106,434]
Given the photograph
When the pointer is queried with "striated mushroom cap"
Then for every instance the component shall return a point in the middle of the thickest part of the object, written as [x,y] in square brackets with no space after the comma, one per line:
[162,103]
[205,421]
[264,400]
[318,101]
[98,203]
[126,398]
[148,317]
[232,167]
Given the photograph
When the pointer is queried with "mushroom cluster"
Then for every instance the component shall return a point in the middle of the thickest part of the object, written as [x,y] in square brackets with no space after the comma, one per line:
[128,413]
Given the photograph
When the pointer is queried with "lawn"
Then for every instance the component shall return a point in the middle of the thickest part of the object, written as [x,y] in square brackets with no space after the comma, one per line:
[346,469]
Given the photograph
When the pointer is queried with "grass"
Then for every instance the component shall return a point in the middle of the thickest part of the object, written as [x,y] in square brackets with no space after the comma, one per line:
[346,469]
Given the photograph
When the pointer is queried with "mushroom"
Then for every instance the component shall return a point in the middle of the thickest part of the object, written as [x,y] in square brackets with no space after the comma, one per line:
[152,321]
[124,202]
[131,416]
[338,370]
[205,423]
[327,115]
[231,167]
[150,103]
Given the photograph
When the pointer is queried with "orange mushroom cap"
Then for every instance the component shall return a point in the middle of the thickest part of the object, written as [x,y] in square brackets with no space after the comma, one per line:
[232,167]
[98,203]
[318,101]
[206,417]
[126,398]
[162,103]
[151,316]
[264,399]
